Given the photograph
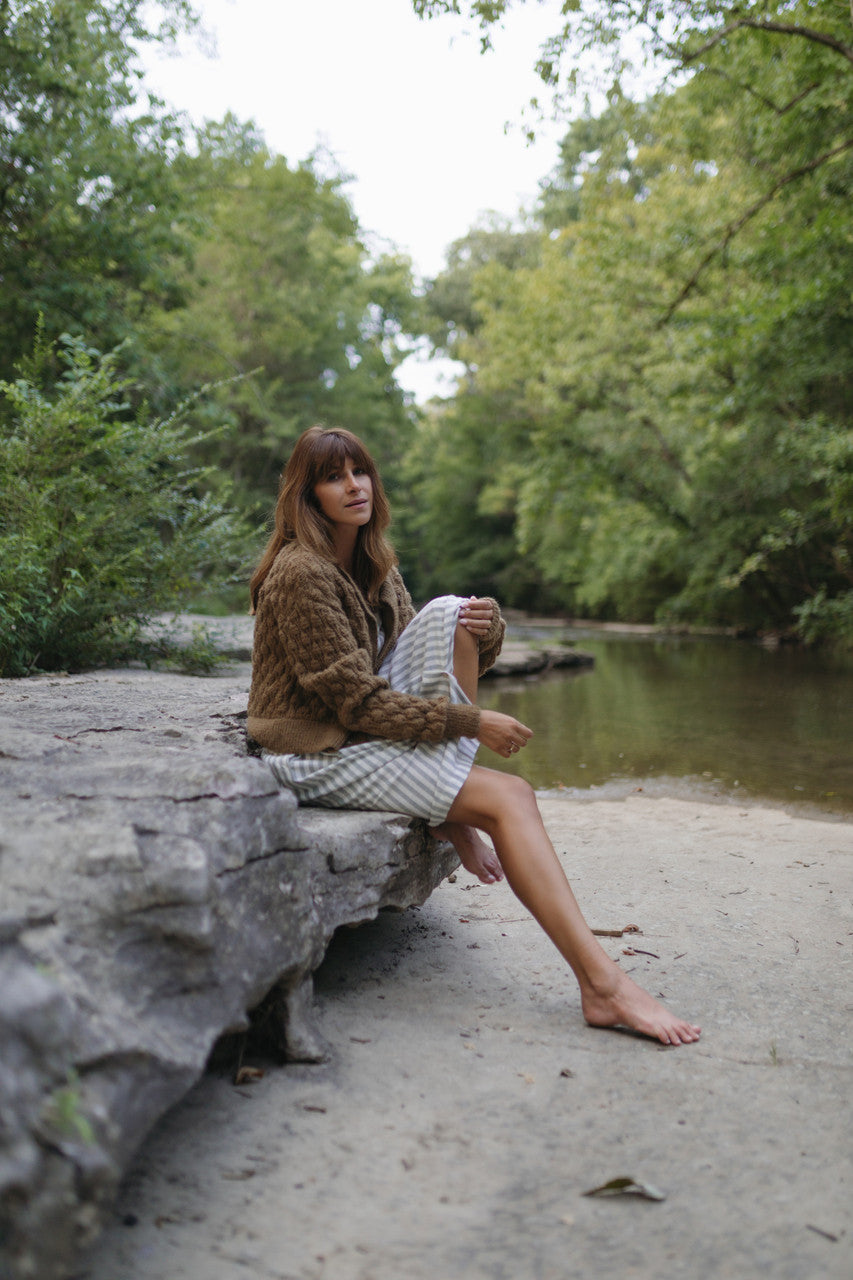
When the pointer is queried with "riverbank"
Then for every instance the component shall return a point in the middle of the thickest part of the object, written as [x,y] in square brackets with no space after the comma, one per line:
[231,637]
[467,1107]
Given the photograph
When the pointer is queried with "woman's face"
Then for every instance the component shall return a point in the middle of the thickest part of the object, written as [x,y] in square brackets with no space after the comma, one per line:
[346,495]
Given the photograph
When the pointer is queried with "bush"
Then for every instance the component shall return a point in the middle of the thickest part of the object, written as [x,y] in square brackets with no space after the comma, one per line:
[103,520]
[826,618]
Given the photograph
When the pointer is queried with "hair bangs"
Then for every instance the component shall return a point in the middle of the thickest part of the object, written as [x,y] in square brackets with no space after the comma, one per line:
[330,452]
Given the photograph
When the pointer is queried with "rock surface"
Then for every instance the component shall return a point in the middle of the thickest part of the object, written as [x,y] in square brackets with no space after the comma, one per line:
[233,636]
[520,658]
[155,885]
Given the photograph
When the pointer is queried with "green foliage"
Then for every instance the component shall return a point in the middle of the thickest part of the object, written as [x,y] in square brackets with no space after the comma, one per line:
[593,37]
[204,266]
[456,533]
[90,218]
[64,1116]
[281,284]
[667,379]
[102,520]
[451,307]
[168,646]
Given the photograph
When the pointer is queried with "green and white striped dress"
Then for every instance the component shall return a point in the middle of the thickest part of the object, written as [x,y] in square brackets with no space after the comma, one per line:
[420,778]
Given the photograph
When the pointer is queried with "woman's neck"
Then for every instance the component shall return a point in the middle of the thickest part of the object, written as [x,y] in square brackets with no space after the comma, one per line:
[345,540]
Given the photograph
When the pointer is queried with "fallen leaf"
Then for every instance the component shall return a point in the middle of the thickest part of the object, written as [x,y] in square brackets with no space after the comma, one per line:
[247,1074]
[626,1187]
[567,1073]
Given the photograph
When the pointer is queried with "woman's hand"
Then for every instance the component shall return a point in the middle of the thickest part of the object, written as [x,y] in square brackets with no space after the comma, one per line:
[476,615]
[503,734]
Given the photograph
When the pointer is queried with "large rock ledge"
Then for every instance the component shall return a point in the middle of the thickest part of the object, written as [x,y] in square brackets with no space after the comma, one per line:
[156,885]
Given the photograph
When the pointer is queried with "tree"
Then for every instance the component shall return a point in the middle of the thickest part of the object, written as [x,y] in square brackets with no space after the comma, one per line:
[90,219]
[678,363]
[463,470]
[282,291]
[741,44]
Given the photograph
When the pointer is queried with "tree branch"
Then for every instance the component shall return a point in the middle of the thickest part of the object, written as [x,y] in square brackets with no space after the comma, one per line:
[625,479]
[760,97]
[667,453]
[734,227]
[780,28]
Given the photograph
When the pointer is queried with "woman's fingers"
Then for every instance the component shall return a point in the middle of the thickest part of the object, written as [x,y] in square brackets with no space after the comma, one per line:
[503,734]
[519,740]
[476,614]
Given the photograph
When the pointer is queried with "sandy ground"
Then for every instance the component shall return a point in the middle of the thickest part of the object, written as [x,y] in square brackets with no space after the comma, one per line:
[468,1107]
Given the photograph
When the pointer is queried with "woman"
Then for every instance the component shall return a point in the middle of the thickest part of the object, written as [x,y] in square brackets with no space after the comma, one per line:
[357,703]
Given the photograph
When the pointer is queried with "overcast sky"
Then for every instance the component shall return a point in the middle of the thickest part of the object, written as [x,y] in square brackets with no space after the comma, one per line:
[411,109]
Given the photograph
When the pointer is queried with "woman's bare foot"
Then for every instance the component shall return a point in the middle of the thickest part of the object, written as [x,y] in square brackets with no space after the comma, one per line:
[628,1005]
[474,854]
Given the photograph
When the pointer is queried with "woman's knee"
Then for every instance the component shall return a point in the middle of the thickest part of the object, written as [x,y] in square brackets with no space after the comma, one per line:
[489,799]
[519,794]
[511,798]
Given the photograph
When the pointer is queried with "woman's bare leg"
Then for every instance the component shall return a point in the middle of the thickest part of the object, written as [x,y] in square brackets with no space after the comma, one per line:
[505,808]
[474,854]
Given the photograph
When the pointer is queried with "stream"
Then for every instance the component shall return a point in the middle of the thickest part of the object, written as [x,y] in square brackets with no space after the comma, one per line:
[681,715]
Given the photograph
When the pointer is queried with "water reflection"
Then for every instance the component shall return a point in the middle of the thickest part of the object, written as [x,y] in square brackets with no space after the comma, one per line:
[768,723]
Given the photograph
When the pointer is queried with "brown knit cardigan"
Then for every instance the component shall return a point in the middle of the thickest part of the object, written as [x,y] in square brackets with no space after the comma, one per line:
[314,663]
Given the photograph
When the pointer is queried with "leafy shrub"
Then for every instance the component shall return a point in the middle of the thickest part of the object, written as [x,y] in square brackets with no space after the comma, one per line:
[826,618]
[103,520]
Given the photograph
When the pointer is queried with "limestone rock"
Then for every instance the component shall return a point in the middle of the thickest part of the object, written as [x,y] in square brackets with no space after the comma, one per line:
[520,658]
[155,885]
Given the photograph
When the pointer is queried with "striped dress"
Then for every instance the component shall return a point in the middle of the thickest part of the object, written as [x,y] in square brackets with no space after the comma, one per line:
[419,778]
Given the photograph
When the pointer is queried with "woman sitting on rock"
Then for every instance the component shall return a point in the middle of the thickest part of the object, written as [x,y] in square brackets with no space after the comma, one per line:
[359,703]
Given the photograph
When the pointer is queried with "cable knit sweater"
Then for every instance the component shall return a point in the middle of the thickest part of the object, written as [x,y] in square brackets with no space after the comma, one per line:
[315,659]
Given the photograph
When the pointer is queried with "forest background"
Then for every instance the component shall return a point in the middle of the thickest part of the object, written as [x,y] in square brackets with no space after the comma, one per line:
[653,422]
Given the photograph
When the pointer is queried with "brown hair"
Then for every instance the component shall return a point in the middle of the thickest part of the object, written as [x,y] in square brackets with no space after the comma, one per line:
[317,453]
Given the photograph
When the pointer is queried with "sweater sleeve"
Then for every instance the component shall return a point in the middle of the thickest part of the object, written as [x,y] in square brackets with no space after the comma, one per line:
[327,661]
